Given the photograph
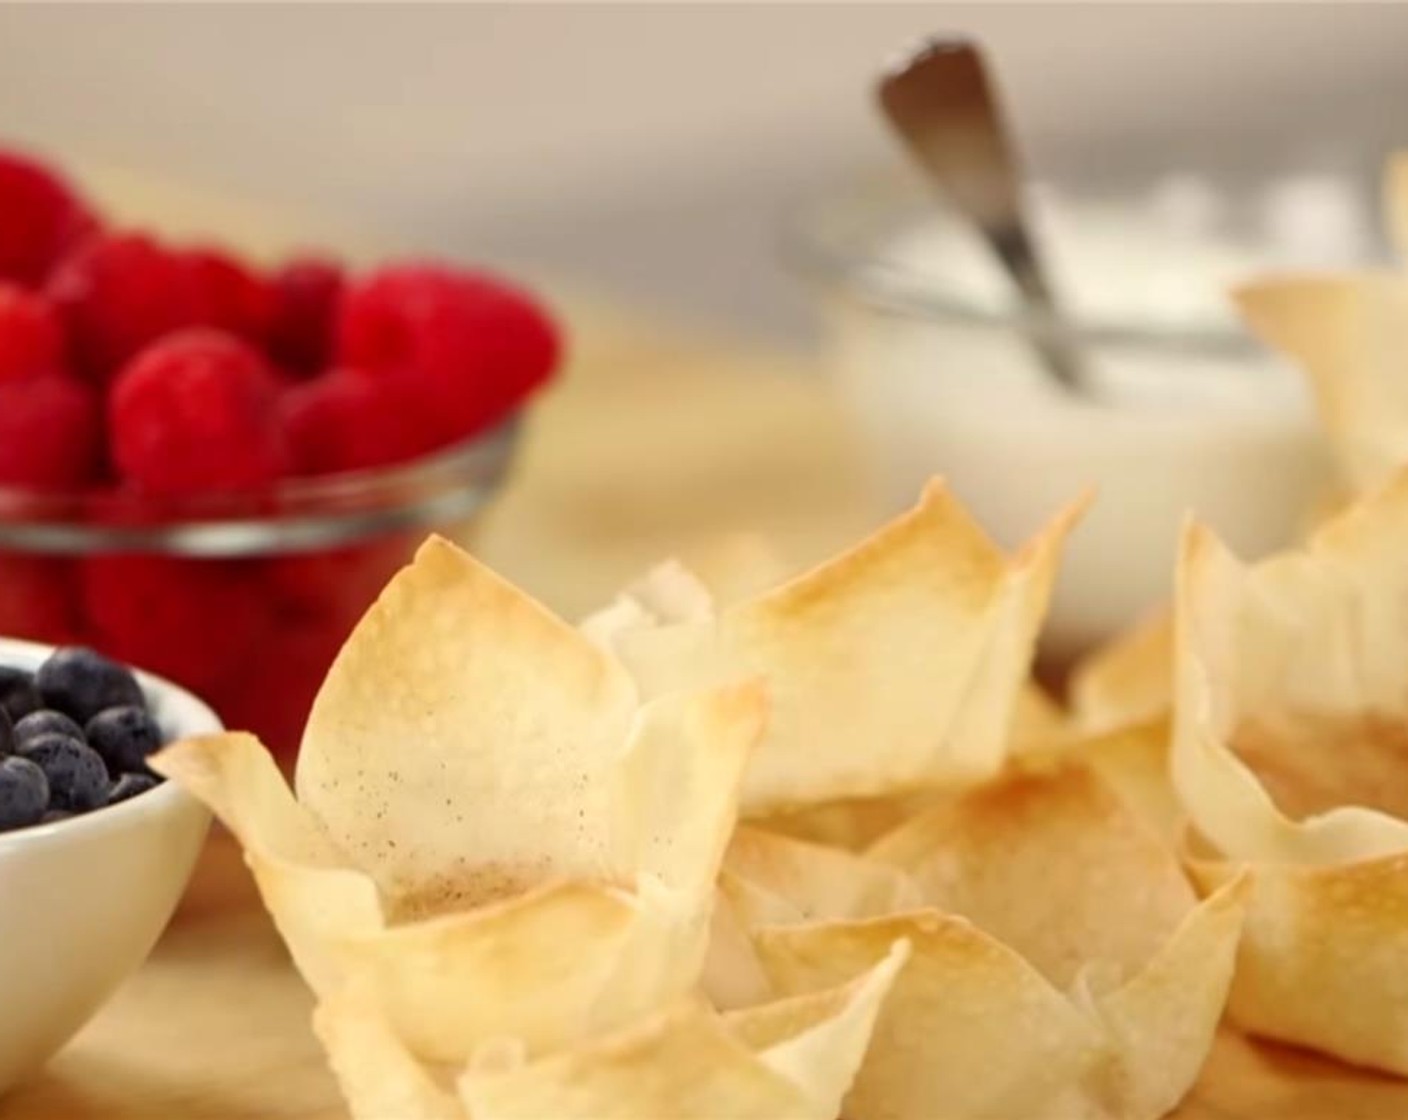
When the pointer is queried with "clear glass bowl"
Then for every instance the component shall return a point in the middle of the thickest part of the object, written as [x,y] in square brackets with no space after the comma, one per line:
[243,600]
[933,358]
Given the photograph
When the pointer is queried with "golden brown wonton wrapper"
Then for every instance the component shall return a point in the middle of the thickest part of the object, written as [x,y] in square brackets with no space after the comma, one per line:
[916,643]
[1061,966]
[1290,756]
[1127,681]
[491,833]
[788,1060]
[1120,723]
[922,559]
[512,864]
[1349,332]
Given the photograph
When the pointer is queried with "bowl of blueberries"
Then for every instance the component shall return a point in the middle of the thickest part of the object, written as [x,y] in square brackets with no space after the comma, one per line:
[95,849]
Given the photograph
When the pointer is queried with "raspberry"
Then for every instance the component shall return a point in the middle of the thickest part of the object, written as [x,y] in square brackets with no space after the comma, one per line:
[306,292]
[347,419]
[38,599]
[271,696]
[481,345]
[31,341]
[41,218]
[116,294]
[49,433]
[335,587]
[193,413]
[196,621]
[227,295]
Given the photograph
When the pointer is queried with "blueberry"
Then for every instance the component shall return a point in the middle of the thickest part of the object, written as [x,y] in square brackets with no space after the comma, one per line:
[124,737]
[78,779]
[7,734]
[129,785]
[24,793]
[55,815]
[18,696]
[45,721]
[81,683]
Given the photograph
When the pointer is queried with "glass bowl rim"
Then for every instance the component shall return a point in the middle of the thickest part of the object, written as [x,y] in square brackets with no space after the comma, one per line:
[853,266]
[296,515]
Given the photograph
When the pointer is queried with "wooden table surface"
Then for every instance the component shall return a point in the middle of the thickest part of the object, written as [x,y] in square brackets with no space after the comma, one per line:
[658,441]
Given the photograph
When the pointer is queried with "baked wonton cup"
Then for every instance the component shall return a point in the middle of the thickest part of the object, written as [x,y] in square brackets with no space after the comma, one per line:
[790,1059]
[1348,331]
[917,642]
[1128,681]
[1121,720]
[1061,965]
[899,665]
[1290,756]
[491,833]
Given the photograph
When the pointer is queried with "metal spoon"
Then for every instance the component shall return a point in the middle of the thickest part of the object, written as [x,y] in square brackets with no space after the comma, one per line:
[942,103]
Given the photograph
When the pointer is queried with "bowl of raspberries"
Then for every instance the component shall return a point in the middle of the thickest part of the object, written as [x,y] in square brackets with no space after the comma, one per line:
[209,468]
[95,849]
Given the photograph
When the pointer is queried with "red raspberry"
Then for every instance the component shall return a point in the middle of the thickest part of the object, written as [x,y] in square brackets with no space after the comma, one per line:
[336,586]
[194,620]
[347,420]
[227,295]
[481,345]
[195,412]
[49,433]
[38,599]
[116,294]
[31,341]
[306,292]
[41,218]
[272,694]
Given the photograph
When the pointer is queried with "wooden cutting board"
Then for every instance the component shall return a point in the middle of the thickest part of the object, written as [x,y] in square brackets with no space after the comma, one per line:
[215,1027]
[659,441]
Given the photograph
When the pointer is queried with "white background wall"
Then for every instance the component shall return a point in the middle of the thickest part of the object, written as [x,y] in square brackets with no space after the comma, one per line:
[648,149]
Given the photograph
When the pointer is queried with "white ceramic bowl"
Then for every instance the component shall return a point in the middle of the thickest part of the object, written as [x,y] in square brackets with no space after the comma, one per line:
[83,901]
[933,361]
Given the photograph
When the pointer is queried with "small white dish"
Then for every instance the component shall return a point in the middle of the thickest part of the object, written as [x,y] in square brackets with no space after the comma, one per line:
[1183,412]
[82,901]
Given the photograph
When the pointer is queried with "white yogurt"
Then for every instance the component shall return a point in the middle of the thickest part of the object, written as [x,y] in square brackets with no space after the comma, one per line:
[1228,436]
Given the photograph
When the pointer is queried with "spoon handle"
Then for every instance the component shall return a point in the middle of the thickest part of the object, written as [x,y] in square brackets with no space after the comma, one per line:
[942,103]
